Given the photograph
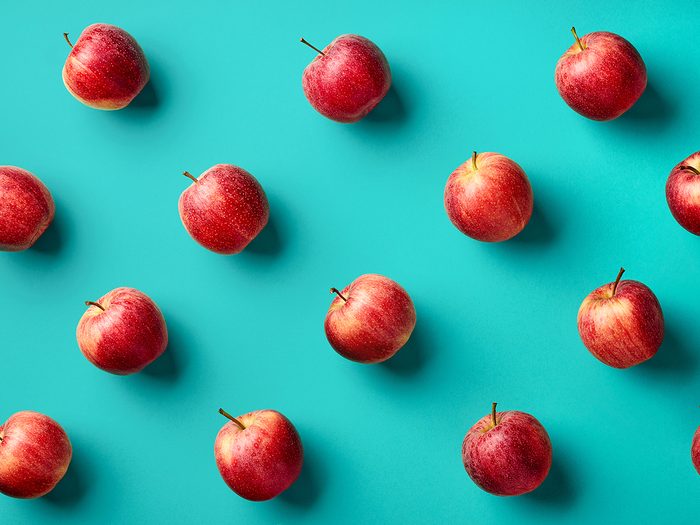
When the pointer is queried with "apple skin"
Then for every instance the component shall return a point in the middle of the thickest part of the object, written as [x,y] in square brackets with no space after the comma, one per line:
[374,323]
[489,198]
[348,80]
[621,325]
[695,450]
[603,80]
[263,460]
[34,455]
[106,68]
[683,193]
[26,209]
[508,459]
[224,209]
[128,335]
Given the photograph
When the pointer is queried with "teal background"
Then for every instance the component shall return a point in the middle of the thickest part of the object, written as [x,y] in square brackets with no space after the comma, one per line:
[495,322]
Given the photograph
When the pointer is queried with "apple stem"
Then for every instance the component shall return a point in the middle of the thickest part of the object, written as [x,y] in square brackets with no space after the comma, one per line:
[578,40]
[337,292]
[474,160]
[92,303]
[617,281]
[313,47]
[65,35]
[190,176]
[226,414]
[694,170]
[493,414]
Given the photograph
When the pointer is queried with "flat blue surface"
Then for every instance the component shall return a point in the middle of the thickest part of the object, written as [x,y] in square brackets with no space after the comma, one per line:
[495,322]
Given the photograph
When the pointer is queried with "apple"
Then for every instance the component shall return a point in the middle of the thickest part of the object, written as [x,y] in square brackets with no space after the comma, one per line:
[621,323]
[683,193]
[346,80]
[489,198]
[26,209]
[34,455]
[106,67]
[224,209]
[370,319]
[122,332]
[507,453]
[601,75]
[259,454]
[695,450]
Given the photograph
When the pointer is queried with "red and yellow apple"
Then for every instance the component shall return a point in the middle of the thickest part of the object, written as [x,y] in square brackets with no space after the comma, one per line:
[683,193]
[695,450]
[259,455]
[34,455]
[122,332]
[621,323]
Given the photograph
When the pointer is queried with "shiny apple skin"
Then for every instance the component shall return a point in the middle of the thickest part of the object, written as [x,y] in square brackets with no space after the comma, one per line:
[492,203]
[35,453]
[683,194]
[262,461]
[375,322]
[695,450]
[127,336]
[348,80]
[26,209]
[106,68]
[510,459]
[604,80]
[225,209]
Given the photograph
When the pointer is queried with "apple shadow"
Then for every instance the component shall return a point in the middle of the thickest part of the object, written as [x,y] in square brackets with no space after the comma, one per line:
[557,489]
[390,110]
[410,359]
[307,488]
[650,111]
[168,367]
[73,487]
[148,99]
[268,242]
[673,358]
[51,240]
[538,231]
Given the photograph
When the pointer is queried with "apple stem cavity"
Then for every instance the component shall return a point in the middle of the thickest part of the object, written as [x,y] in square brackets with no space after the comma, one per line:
[337,292]
[93,303]
[493,414]
[690,168]
[313,47]
[65,35]
[190,176]
[474,160]
[617,281]
[229,416]
[578,40]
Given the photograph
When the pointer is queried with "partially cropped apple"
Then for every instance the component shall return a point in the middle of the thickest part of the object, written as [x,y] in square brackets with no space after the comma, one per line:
[346,80]
[34,455]
[106,67]
[601,75]
[507,453]
[259,454]
[683,193]
[695,450]
[26,209]
[122,332]
[224,209]
[489,198]
[370,319]
[621,323]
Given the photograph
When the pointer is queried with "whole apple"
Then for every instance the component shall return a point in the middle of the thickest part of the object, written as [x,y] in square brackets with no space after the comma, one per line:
[601,75]
[621,323]
[26,209]
[34,455]
[259,454]
[224,209]
[346,80]
[489,198]
[695,450]
[370,320]
[683,193]
[106,67]
[122,332]
[507,453]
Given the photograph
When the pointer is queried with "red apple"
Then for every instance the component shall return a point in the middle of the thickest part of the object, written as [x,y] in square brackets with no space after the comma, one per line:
[370,320]
[26,209]
[489,198]
[601,75]
[34,455]
[346,80]
[224,209]
[507,453]
[695,450]
[683,193]
[259,455]
[621,323]
[106,67]
[122,332]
